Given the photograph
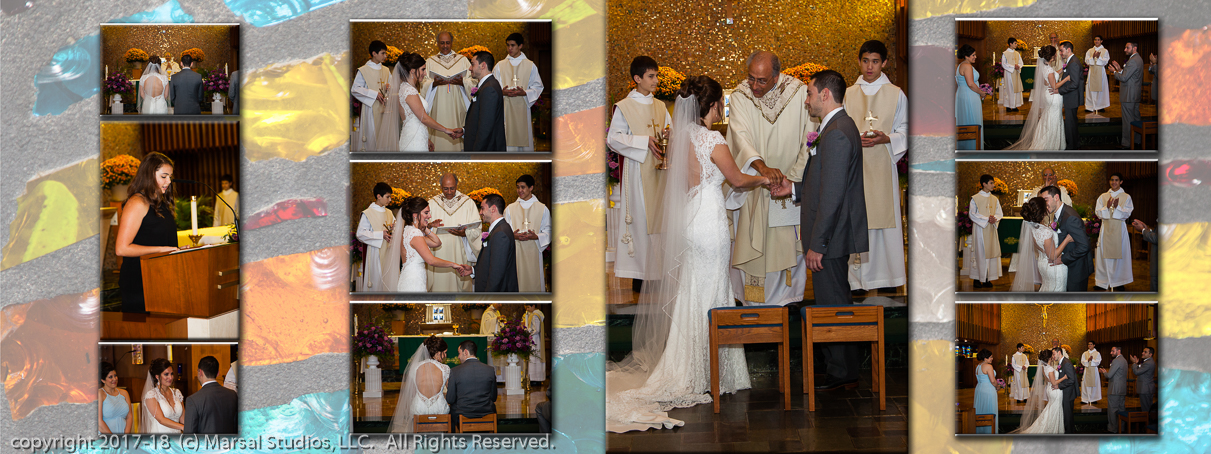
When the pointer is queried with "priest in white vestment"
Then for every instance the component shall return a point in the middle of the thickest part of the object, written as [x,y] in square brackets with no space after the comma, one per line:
[222,214]
[1019,385]
[1011,84]
[534,320]
[488,325]
[447,90]
[369,86]
[521,86]
[459,234]
[372,229]
[1091,380]
[634,132]
[1097,85]
[531,222]
[984,256]
[880,108]
[1112,261]
[767,128]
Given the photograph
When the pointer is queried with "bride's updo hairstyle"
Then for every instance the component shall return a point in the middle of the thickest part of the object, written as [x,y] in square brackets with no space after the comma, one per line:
[157,368]
[1047,52]
[706,89]
[154,60]
[409,62]
[435,345]
[1034,210]
[411,206]
[1045,356]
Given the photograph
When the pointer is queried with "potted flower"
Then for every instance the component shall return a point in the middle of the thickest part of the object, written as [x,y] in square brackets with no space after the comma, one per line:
[371,342]
[670,83]
[397,198]
[136,57]
[195,53]
[479,194]
[470,51]
[804,72]
[999,186]
[393,54]
[512,340]
[216,83]
[116,174]
[1069,185]
[118,84]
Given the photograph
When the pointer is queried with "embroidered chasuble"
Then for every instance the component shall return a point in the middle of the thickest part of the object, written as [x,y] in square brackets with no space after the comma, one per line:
[454,212]
[448,103]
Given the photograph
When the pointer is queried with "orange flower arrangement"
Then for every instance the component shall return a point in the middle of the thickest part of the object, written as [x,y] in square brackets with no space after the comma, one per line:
[999,186]
[118,170]
[470,51]
[393,54]
[804,72]
[397,197]
[479,194]
[1069,185]
[136,55]
[195,53]
[670,83]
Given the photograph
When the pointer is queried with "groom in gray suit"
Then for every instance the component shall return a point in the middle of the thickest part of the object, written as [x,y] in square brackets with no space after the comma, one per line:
[832,212]
[1068,387]
[1145,384]
[1131,80]
[213,409]
[1116,376]
[1076,255]
[471,389]
[185,89]
[1073,93]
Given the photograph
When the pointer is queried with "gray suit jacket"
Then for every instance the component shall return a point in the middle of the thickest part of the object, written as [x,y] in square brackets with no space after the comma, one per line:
[1131,79]
[186,93]
[1073,91]
[1068,386]
[1076,255]
[1116,376]
[233,92]
[485,126]
[471,390]
[1143,370]
[496,267]
[832,209]
[212,410]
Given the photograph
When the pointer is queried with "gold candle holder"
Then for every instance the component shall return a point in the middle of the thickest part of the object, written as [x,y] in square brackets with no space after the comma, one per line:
[195,239]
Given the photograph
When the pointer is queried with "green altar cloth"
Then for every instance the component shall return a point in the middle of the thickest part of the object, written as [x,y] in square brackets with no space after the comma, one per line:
[1027,77]
[1008,230]
[408,344]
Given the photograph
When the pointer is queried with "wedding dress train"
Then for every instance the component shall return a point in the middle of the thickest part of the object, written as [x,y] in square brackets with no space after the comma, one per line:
[1044,125]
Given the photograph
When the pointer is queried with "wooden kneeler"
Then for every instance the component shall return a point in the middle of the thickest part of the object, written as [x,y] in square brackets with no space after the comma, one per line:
[751,325]
[431,423]
[844,323]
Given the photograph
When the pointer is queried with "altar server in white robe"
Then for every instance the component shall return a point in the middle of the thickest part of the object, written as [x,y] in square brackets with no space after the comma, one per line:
[372,229]
[1019,385]
[534,320]
[460,245]
[767,129]
[369,84]
[521,86]
[222,214]
[985,254]
[1097,86]
[1091,380]
[880,108]
[635,126]
[488,325]
[1011,84]
[531,222]
[1112,261]
[447,90]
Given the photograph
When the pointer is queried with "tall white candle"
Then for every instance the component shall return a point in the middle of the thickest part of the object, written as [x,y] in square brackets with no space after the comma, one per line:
[193,213]
[225,71]
[107,71]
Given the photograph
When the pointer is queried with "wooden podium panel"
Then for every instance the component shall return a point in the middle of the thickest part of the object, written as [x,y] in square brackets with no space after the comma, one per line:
[201,282]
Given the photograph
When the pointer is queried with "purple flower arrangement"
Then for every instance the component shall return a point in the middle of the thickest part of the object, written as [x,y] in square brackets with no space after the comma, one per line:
[998,70]
[963,223]
[357,249]
[614,163]
[118,83]
[217,81]
[512,338]
[372,340]
[1093,226]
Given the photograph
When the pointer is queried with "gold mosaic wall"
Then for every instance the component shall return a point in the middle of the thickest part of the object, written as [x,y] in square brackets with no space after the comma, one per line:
[1090,177]
[421,179]
[1036,34]
[692,37]
[1024,323]
[421,37]
[121,138]
[214,40]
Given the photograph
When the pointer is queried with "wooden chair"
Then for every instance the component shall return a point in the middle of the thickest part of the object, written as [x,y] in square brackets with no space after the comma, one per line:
[986,420]
[751,325]
[1129,418]
[965,420]
[969,132]
[484,424]
[843,323]
[431,423]
[1144,129]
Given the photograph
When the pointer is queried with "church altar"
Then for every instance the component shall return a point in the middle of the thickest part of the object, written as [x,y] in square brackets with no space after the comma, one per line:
[1008,230]
[407,345]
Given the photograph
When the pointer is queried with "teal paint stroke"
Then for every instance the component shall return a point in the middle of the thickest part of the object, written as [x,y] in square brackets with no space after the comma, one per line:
[263,13]
[1184,426]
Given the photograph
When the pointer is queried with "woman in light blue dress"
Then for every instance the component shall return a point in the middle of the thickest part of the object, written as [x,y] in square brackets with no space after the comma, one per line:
[968,109]
[113,414]
[986,392]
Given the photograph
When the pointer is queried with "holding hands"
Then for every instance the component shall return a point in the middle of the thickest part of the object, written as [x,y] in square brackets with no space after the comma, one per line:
[463,270]
[456,133]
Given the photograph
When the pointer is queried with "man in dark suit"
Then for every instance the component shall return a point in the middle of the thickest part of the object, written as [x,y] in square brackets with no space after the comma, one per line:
[1145,383]
[185,89]
[832,212]
[1068,387]
[1131,82]
[1076,255]
[213,409]
[1073,93]
[471,389]
[496,268]
[1116,379]
[233,92]
[484,129]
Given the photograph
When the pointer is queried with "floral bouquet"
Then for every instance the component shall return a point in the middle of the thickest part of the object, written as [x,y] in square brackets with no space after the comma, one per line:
[117,170]
[468,52]
[963,223]
[999,186]
[217,81]
[233,235]
[1093,227]
[393,54]
[1000,383]
[136,55]
[479,194]
[1069,185]
[118,83]
[1008,370]
[986,89]
[1080,370]
[805,71]
[397,198]
[195,53]
[372,340]
[998,71]
[670,82]
[512,338]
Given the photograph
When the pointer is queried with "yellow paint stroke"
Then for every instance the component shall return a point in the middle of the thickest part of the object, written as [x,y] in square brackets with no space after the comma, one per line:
[578,253]
[295,307]
[921,9]
[1185,268]
[931,401]
[55,211]
[295,110]
[578,32]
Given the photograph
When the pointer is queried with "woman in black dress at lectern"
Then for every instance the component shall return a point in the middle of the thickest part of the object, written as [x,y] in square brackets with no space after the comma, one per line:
[148,226]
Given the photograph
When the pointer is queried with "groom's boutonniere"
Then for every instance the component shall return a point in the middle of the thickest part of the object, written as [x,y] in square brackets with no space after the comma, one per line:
[1055,225]
[811,141]
[474,91]
[483,238]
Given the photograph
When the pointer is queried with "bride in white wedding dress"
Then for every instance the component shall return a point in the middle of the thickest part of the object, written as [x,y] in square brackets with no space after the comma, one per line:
[404,104]
[669,363]
[1043,246]
[1044,125]
[1037,419]
[423,388]
[153,89]
[412,240]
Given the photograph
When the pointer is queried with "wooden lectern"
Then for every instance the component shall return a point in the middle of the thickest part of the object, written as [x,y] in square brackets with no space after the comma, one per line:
[202,282]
